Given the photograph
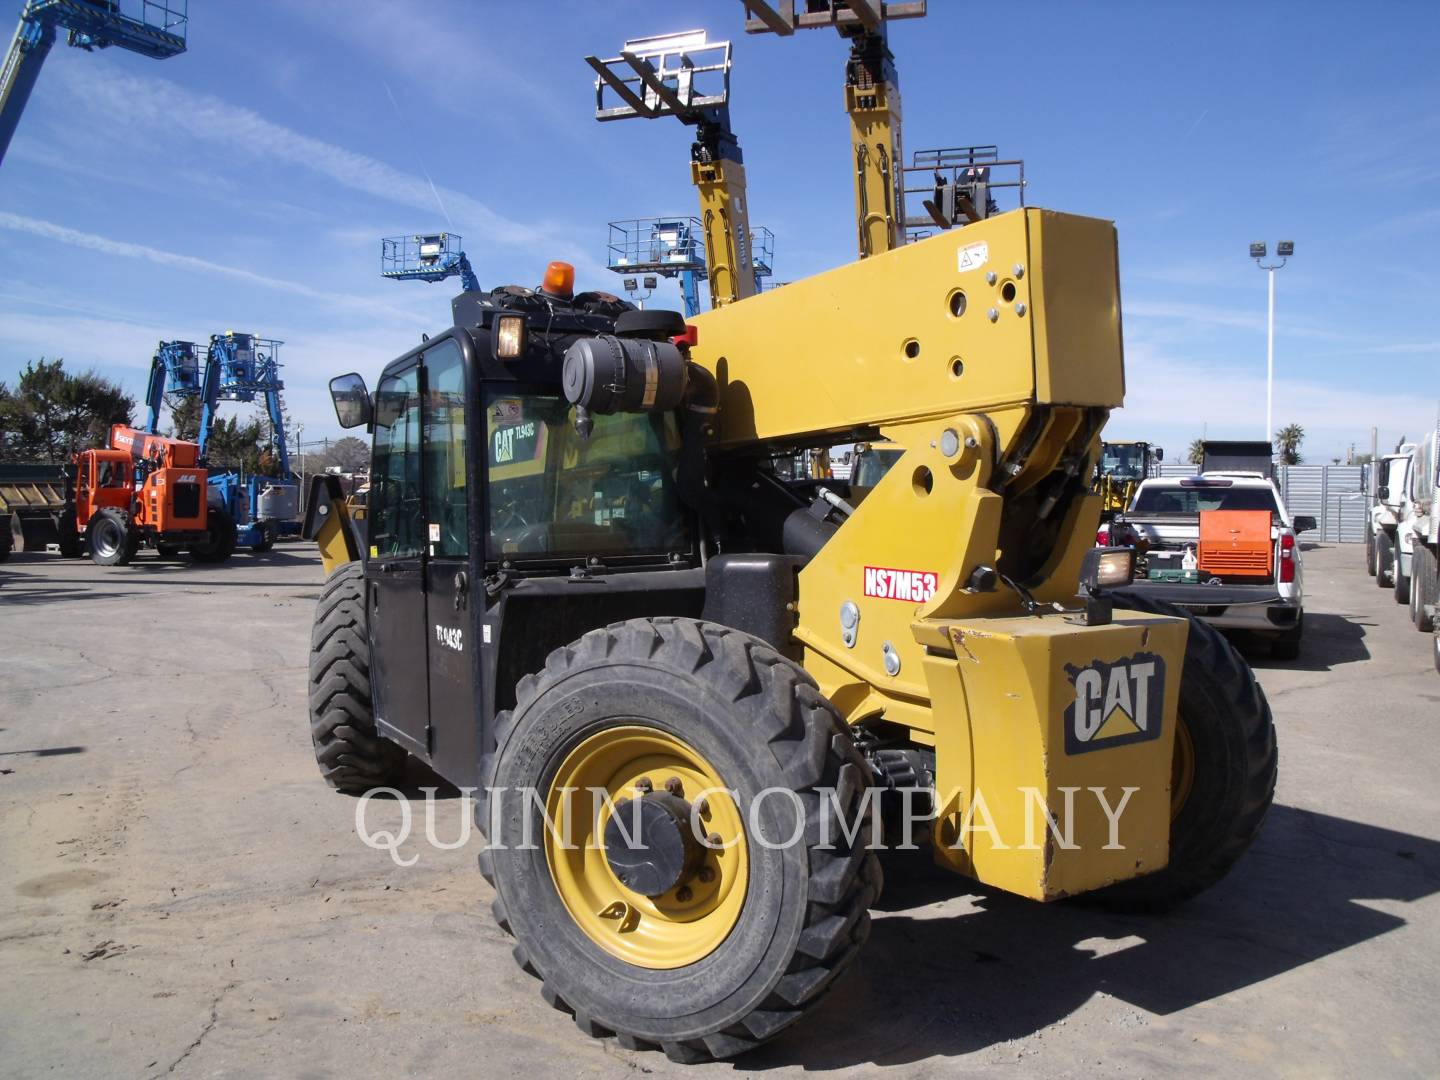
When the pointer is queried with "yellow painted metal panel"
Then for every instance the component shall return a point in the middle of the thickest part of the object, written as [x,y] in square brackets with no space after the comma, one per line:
[1032,706]
[1077,307]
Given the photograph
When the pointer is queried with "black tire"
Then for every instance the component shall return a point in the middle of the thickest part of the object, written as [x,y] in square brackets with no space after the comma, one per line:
[1370,552]
[1423,587]
[168,551]
[763,723]
[1400,578]
[352,756]
[220,544]
[1436,648]
[1228,720]
[69,536]
[1286,646]
[1384,559]
[267,538]
[110,538]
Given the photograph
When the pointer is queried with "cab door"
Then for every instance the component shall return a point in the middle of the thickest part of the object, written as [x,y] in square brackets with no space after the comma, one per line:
[451,488]
[395,569]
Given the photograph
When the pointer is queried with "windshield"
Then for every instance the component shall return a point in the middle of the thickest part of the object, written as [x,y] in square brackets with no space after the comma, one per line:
[1395,477]
[1192,500]
[872,464]
[1124,460]
[553,494]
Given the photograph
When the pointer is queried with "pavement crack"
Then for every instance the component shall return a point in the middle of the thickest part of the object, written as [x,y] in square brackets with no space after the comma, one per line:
[209,1026]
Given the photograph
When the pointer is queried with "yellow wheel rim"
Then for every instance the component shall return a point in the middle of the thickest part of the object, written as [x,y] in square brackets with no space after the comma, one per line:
[677,928]
[1182,769]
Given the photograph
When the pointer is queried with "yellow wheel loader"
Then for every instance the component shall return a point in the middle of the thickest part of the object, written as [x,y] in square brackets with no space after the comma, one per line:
[694,697]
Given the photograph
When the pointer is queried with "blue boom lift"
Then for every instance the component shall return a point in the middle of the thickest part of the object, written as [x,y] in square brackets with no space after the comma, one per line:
[675,247]
[156,29]
[428,257]
[238,367]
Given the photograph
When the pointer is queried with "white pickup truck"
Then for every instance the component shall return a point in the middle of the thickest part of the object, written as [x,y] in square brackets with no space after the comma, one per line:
[1263,596]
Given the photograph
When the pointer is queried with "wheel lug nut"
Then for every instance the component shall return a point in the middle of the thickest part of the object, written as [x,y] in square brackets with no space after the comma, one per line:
[714,840]
[706,875]
[673,786]
[702,807]
[644,786]
[683,894]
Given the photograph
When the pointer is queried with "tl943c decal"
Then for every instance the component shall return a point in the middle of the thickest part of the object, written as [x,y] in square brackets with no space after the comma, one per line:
[1115,704]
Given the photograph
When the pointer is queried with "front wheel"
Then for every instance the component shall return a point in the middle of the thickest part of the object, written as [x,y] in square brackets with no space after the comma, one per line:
[1384,558]
[1370,552]
[1223,774]
[1400,578]
[111,538]
[701,881]
[267,538]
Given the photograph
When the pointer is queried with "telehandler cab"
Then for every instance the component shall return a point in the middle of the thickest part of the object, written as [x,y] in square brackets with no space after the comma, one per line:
[682,685]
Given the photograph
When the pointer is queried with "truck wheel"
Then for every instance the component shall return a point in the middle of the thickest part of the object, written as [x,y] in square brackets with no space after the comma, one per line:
[353,757]
[1384,558]
[1223,777]
[1401,579]
[1422,587]
[220,544]
[706,945]
[110,537]
[69,536]
[1437,651]
[1370,552]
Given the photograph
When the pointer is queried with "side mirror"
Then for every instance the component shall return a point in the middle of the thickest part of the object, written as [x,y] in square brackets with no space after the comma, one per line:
[1304,523]
[1384,493]
[1159,454]
[353,407]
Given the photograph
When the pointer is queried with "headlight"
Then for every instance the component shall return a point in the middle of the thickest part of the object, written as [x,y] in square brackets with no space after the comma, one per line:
[1106,568]
[508,335]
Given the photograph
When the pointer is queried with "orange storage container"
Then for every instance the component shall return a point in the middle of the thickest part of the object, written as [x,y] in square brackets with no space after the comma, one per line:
[1236,543]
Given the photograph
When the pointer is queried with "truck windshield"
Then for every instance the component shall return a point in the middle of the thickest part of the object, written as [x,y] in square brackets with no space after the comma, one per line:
[1192,500]
[555,495]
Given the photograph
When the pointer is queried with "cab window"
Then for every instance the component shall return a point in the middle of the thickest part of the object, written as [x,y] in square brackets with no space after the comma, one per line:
[445,490]
[396,512]
[552,494]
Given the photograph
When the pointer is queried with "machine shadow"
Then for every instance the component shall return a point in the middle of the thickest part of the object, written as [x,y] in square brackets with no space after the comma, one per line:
[1330,640]
[934,983]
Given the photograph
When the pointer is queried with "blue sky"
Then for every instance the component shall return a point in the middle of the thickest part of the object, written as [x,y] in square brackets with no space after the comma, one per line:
[246,183]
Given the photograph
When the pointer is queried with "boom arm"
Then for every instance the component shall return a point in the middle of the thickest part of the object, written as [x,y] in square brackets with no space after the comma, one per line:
[93,24]
[872,98]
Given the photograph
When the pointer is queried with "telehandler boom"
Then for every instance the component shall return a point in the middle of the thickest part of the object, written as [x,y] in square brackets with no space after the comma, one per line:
[695,696]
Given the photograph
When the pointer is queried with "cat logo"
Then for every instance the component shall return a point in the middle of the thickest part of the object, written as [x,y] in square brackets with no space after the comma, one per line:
[1115,704]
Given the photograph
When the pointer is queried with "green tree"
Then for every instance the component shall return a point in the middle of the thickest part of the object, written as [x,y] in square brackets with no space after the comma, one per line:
[1288,440]
[349,454]
[51,414]
[1196,454]
[184,417]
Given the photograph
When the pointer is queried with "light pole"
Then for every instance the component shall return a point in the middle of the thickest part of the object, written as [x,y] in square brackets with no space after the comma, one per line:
[1284,250]
[632,287]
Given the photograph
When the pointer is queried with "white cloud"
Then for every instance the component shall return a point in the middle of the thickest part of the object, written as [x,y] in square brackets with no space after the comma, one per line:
[48,230]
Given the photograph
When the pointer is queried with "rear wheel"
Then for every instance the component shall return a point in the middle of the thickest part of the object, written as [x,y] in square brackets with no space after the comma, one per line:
[1384,558]
[1423,587]
[111,538]
[1223,775]
[352,755]
[220,544]
[1370,552]
[705,931]
[267,537]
